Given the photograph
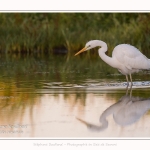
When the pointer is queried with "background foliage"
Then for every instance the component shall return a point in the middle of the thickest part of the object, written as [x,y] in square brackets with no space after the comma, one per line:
[66,32]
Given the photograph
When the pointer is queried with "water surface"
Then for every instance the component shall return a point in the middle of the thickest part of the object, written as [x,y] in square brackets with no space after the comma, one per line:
[65,96]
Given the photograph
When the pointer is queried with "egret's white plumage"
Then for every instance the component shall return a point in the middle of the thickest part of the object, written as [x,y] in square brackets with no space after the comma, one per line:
[126,58]
[130,59]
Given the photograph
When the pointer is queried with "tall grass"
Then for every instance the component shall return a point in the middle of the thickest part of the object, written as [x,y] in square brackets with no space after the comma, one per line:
[45,32]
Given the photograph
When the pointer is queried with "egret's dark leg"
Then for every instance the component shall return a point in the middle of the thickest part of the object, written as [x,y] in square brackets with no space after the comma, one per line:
[127,80]
[131,80]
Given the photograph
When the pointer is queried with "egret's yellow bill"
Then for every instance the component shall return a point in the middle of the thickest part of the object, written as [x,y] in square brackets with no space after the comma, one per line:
[82,50]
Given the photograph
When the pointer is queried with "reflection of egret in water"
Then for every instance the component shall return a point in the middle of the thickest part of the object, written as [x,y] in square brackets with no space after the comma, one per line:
[125,112]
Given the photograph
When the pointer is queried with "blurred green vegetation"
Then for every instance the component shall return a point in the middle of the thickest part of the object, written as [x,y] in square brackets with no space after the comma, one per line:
[24,70]
[52,69]
[67,32]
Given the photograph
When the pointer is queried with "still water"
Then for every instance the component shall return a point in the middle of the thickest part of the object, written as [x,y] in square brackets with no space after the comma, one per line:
[76,97]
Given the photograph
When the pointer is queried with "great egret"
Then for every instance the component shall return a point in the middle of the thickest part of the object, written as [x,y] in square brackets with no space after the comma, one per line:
[126,58]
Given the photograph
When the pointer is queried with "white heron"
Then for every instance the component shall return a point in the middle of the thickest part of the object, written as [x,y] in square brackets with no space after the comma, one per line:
[126,58]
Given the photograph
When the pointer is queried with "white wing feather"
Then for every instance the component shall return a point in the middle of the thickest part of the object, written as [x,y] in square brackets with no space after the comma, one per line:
[131,57]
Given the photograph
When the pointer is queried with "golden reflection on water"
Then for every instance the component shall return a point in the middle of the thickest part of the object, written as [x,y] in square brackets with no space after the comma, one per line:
[53,114]
[44,96]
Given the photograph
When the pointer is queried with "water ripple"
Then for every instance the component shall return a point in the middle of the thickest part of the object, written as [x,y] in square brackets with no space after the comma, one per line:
[95,85]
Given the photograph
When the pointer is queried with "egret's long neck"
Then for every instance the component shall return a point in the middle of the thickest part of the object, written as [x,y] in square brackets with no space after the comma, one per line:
[104,57]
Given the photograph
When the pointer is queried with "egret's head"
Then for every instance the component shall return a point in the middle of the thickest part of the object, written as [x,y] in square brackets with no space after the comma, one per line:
[89,45]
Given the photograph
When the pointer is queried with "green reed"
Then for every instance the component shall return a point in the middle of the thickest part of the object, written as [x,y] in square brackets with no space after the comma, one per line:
[46,32]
